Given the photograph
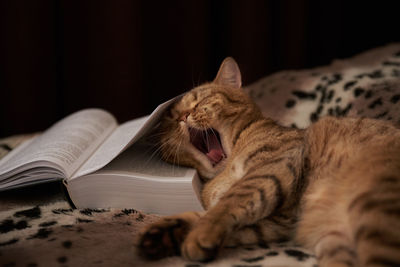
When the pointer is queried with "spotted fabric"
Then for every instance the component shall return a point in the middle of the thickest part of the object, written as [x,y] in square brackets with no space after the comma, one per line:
[366,85]
[57,235]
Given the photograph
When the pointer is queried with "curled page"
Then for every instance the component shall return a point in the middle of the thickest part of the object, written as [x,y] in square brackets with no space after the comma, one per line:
[124,136]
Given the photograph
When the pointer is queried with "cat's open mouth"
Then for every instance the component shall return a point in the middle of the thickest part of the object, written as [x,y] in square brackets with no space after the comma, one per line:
[209,143]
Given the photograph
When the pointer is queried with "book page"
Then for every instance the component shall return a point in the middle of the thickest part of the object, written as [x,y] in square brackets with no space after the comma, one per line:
[123,137]
[143,160]
[67,144]
[138,178]
[113,146]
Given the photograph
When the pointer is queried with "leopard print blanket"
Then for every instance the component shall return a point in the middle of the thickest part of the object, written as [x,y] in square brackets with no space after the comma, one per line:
[39,228]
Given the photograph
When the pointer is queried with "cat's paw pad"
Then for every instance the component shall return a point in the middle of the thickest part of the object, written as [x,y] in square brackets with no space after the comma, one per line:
[163,238]
[201,245]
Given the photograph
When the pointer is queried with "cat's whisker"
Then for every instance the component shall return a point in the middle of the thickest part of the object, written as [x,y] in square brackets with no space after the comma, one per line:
[155,152]
[157,134]
[163,146]
[177,154]
[207,141]
[204,137]
[148,162]
[213,132]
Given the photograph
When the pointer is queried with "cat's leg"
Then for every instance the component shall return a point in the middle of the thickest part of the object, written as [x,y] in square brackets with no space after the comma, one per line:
[372,237]
[249,200]
[335,249]
[164,237]
[324,224]
[375,221]
[276,229]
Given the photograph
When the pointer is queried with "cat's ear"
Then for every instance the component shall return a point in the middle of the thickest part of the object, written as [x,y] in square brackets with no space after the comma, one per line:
[229,74]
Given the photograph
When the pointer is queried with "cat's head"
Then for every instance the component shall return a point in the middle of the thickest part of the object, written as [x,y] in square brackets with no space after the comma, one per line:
[198,130]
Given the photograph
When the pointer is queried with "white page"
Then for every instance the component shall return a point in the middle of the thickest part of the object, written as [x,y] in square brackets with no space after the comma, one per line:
[153,119]
[143,160]
[138,178]
[67,144]
[111,147]
[125,135]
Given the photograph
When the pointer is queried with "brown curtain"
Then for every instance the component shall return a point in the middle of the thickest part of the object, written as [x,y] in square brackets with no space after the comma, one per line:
[57,57]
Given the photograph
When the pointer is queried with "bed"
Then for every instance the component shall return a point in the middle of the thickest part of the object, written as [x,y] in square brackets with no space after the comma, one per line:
[39,228]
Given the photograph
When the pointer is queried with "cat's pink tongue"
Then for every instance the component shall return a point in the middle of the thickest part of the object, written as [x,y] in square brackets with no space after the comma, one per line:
[215,152]
[215,155]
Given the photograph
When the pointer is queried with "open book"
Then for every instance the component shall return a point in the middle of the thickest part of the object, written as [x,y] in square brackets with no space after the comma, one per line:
[103,164]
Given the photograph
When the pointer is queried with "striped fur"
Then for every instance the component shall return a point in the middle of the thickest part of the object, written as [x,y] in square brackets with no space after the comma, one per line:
[334,187]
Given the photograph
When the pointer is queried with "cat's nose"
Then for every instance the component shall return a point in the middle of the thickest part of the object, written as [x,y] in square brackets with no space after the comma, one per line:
[184,116]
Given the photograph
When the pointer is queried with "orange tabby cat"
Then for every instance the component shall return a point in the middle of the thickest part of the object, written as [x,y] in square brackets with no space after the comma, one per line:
[334,187]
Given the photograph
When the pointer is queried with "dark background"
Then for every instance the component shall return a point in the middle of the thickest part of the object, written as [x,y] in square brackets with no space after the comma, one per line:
[58,56]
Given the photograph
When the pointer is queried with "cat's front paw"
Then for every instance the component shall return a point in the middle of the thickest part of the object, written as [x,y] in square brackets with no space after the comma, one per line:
[202,243]
[163,238]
